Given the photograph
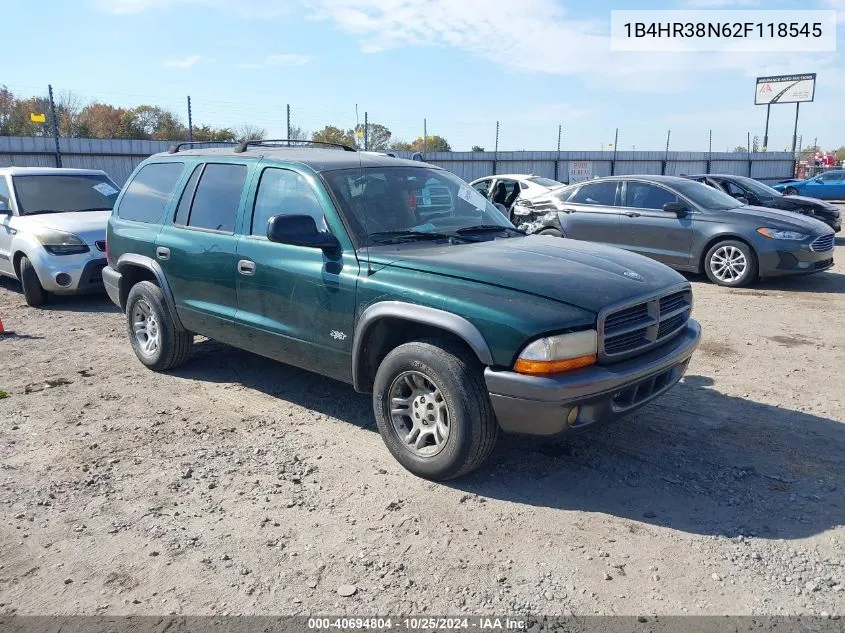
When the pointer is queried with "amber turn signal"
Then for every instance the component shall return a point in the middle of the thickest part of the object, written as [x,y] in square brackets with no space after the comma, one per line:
[546,367]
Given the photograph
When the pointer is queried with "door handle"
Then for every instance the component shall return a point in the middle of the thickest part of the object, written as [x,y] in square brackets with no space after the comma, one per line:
[632,214]
[162,252]
[568,210]
[246,267]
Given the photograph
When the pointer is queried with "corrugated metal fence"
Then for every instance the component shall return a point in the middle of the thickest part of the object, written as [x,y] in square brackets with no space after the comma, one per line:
[118,157]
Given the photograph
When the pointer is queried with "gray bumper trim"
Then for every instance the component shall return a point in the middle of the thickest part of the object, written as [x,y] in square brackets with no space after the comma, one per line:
[111,280]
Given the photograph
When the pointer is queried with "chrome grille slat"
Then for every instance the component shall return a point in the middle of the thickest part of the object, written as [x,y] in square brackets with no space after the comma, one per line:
[633,329]
[822,244]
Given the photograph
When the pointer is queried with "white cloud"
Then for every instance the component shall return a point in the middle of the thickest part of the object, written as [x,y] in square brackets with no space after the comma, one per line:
[186,62]
[720,4]
[252,10]
[536,36]
[838,6]
[273,61]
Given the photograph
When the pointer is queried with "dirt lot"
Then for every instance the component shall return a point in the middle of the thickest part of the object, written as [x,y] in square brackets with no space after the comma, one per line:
[240,485]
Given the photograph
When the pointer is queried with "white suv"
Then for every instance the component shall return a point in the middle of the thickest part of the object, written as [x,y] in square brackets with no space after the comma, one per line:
[53,229]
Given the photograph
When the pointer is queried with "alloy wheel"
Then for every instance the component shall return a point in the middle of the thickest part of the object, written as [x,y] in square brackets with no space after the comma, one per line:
[419,413]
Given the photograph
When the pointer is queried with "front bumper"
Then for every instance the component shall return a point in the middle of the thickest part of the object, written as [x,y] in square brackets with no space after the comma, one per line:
[793,259]
[537,405]
[69,274]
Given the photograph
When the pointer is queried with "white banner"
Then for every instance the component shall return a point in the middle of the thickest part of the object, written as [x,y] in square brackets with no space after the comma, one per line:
[580,170]
[785,89]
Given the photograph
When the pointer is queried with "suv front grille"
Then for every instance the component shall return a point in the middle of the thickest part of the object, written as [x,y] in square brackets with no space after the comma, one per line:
[822,244]
[632,329]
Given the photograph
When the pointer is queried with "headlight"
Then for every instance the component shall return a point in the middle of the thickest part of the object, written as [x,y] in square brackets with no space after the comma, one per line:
[782,234]
[60,243]
[555,354]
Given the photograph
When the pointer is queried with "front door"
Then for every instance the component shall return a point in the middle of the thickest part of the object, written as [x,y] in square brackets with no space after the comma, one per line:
[6,230]
[198,249]
[295,304]
[592,213]
[647,229]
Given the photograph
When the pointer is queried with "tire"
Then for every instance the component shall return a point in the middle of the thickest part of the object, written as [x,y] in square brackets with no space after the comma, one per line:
[162,345]
[460,392]
[790,191]
[731,251]
[33,291]
[552,232]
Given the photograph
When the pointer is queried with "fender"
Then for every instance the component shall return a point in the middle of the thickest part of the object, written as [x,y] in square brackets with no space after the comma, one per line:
[453,323]
[132,259]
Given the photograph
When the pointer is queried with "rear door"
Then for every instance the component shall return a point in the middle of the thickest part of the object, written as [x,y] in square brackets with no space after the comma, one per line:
[647,229]
[592,213]
[197,248]
[295,303]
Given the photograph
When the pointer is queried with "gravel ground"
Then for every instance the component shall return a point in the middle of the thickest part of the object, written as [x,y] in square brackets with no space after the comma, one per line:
[240,485]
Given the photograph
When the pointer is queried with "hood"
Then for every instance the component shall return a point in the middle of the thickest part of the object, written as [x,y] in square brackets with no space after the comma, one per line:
[781,219]
[88,225]
[582,274]
[806,201]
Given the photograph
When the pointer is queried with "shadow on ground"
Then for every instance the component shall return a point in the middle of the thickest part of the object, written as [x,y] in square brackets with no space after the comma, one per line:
[95,302]
[820,283]
[696,460]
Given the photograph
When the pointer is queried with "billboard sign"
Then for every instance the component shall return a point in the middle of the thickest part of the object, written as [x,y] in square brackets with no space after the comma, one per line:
[785,89]
[580,170]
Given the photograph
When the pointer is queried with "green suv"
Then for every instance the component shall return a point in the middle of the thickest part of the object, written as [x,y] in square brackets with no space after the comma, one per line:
[399,278]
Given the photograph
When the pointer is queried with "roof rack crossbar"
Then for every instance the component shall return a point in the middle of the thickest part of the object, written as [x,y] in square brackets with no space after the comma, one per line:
[243,145]
[175,148]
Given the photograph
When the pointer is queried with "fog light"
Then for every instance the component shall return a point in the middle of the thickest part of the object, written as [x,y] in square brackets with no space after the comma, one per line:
[63,279]
[573,415]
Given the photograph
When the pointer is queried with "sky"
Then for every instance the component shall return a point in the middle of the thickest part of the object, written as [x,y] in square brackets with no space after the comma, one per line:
[460,65]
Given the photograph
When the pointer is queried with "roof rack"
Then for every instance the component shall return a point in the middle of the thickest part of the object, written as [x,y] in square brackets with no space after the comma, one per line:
[175,148]
[243,145]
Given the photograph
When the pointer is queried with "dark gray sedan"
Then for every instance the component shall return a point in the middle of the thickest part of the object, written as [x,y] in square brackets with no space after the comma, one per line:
[685,224]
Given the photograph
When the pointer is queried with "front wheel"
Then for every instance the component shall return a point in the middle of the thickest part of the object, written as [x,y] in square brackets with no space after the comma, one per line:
[157,341]
[33,291]
[433,411]
[790,191]
[731,263]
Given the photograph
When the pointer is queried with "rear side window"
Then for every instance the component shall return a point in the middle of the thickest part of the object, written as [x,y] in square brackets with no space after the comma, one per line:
[599,193]
[187,197]
[283,192]
[218,197]
[149,192]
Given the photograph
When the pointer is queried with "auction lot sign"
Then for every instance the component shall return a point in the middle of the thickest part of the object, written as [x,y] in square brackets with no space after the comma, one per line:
[785,89]
[580,170]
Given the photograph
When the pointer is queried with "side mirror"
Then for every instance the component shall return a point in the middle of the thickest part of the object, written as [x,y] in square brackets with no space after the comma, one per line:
[677,208]
[300,230]
[741,199]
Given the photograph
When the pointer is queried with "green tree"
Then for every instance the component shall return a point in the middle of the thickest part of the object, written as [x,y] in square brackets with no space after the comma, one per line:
[378,136]
[298,133]
[208,133]
[740,149]
[840,153]
[477,148]
[433,143]
[402,146]
[332,134]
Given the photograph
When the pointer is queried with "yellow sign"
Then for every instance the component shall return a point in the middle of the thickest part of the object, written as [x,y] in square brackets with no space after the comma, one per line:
[37,118]
[360,133]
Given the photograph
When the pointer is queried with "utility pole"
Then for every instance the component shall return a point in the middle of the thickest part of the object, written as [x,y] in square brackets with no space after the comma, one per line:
[766,133]
[366,131]
[288,111]
[190,121]
[496,150]
[54,119]
[795,129]
[613,160]
[710,152]
[666,156]
[557,162]
[425,136]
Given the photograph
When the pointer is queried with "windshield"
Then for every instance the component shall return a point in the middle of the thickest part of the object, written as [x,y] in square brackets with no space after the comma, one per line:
[705,196]
[380,203]
[761,190]
[545,182]
[64,192]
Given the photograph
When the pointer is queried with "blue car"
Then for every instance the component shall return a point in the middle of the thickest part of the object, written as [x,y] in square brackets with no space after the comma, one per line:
[829,185]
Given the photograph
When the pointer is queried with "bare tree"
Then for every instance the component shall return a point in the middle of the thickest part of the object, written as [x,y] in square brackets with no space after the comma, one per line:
[247,132]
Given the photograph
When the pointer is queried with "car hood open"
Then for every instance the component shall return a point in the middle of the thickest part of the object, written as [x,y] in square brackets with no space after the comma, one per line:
[583,274]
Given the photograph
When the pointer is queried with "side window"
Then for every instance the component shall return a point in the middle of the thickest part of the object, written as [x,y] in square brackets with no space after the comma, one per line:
[149,192]
[187,197]
[642,195]
[599,193]
[566,194]
[732,189]
[483,188]
[5,205]
[217,197]
[284,192]
[833,176]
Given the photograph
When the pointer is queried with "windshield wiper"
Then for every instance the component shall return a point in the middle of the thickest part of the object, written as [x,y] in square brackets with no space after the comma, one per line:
[486,228]
[388,236]
[40,211]
[90,209]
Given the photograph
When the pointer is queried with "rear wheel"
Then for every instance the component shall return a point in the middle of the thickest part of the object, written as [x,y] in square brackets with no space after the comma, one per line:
[33,291]
[158,342]
[731,263]
[790,191]
[433,411]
